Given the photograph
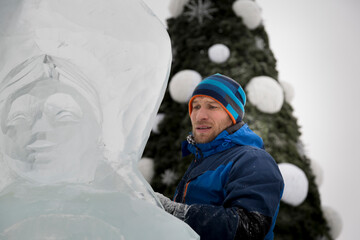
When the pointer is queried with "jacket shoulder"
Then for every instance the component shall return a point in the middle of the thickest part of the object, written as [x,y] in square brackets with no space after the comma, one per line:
[252,161]
[251,151]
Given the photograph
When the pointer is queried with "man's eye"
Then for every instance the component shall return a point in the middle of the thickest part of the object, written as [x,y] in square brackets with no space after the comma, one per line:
[196,107]
[212,107]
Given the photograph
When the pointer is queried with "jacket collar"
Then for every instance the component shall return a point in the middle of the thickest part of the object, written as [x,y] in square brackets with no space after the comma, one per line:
[238,134]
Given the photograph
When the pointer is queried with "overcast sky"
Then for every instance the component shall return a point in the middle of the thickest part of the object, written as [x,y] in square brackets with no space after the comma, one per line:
[316,43]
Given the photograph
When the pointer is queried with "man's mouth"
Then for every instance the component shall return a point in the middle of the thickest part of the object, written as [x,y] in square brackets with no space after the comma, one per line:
[203,128]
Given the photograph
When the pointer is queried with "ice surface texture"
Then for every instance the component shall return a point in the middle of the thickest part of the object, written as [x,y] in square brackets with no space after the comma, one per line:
[80,85]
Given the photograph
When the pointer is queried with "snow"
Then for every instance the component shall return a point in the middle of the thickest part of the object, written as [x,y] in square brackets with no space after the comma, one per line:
[80,85]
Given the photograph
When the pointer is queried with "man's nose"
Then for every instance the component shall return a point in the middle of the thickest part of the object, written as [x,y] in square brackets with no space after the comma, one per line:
[202,114]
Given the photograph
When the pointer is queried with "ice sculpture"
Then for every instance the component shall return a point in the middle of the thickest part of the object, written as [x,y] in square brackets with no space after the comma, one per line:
[80,83]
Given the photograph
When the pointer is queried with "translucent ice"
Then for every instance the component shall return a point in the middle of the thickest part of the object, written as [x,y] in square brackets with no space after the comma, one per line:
[80,85]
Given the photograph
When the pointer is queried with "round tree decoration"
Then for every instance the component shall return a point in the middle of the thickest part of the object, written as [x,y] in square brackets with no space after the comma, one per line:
[176,7]
[158,120]
[249,11]
[146,167]
[301,148]
[318,172]
[259,43]
[219,53]
[334,220]
[182,84]
[265,93]
[288,90]
[296,184]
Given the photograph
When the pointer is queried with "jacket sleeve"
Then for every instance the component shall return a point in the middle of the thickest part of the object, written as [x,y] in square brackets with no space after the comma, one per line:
[217,222]
[254,183]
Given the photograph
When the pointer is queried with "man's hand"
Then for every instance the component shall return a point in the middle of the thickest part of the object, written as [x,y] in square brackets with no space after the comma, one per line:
[177,209]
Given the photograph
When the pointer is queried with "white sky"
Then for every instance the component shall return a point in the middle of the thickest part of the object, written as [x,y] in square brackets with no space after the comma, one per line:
[316,44]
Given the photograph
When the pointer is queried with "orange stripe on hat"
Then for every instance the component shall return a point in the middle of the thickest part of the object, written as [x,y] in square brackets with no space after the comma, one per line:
[227,111]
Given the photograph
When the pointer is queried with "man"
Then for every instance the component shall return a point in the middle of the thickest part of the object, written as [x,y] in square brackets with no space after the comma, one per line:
[233,187]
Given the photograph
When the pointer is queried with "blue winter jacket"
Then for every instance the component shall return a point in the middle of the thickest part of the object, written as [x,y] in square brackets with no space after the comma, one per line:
[229,176]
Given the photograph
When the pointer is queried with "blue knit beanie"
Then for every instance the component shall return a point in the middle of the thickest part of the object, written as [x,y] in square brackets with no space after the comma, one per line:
[227,92]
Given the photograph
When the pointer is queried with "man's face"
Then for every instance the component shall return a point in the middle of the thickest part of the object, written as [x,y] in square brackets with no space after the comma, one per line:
[208,119]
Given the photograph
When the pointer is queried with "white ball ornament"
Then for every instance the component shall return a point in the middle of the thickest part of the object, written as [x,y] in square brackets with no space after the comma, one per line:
[249,11]
[158,119]
[265,93]
[146,167]
[259,43]
[182,85]
[318,172]
[176,7]
[334,220]
[300,146]
[219,53]
[296,184]
[288,90]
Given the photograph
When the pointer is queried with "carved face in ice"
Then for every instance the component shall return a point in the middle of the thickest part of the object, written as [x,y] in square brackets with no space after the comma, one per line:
[50,132]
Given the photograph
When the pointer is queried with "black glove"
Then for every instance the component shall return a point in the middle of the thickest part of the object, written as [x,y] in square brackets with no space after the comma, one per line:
[177,209]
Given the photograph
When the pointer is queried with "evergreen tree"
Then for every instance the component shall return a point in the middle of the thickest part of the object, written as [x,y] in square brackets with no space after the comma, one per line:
[197,26]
